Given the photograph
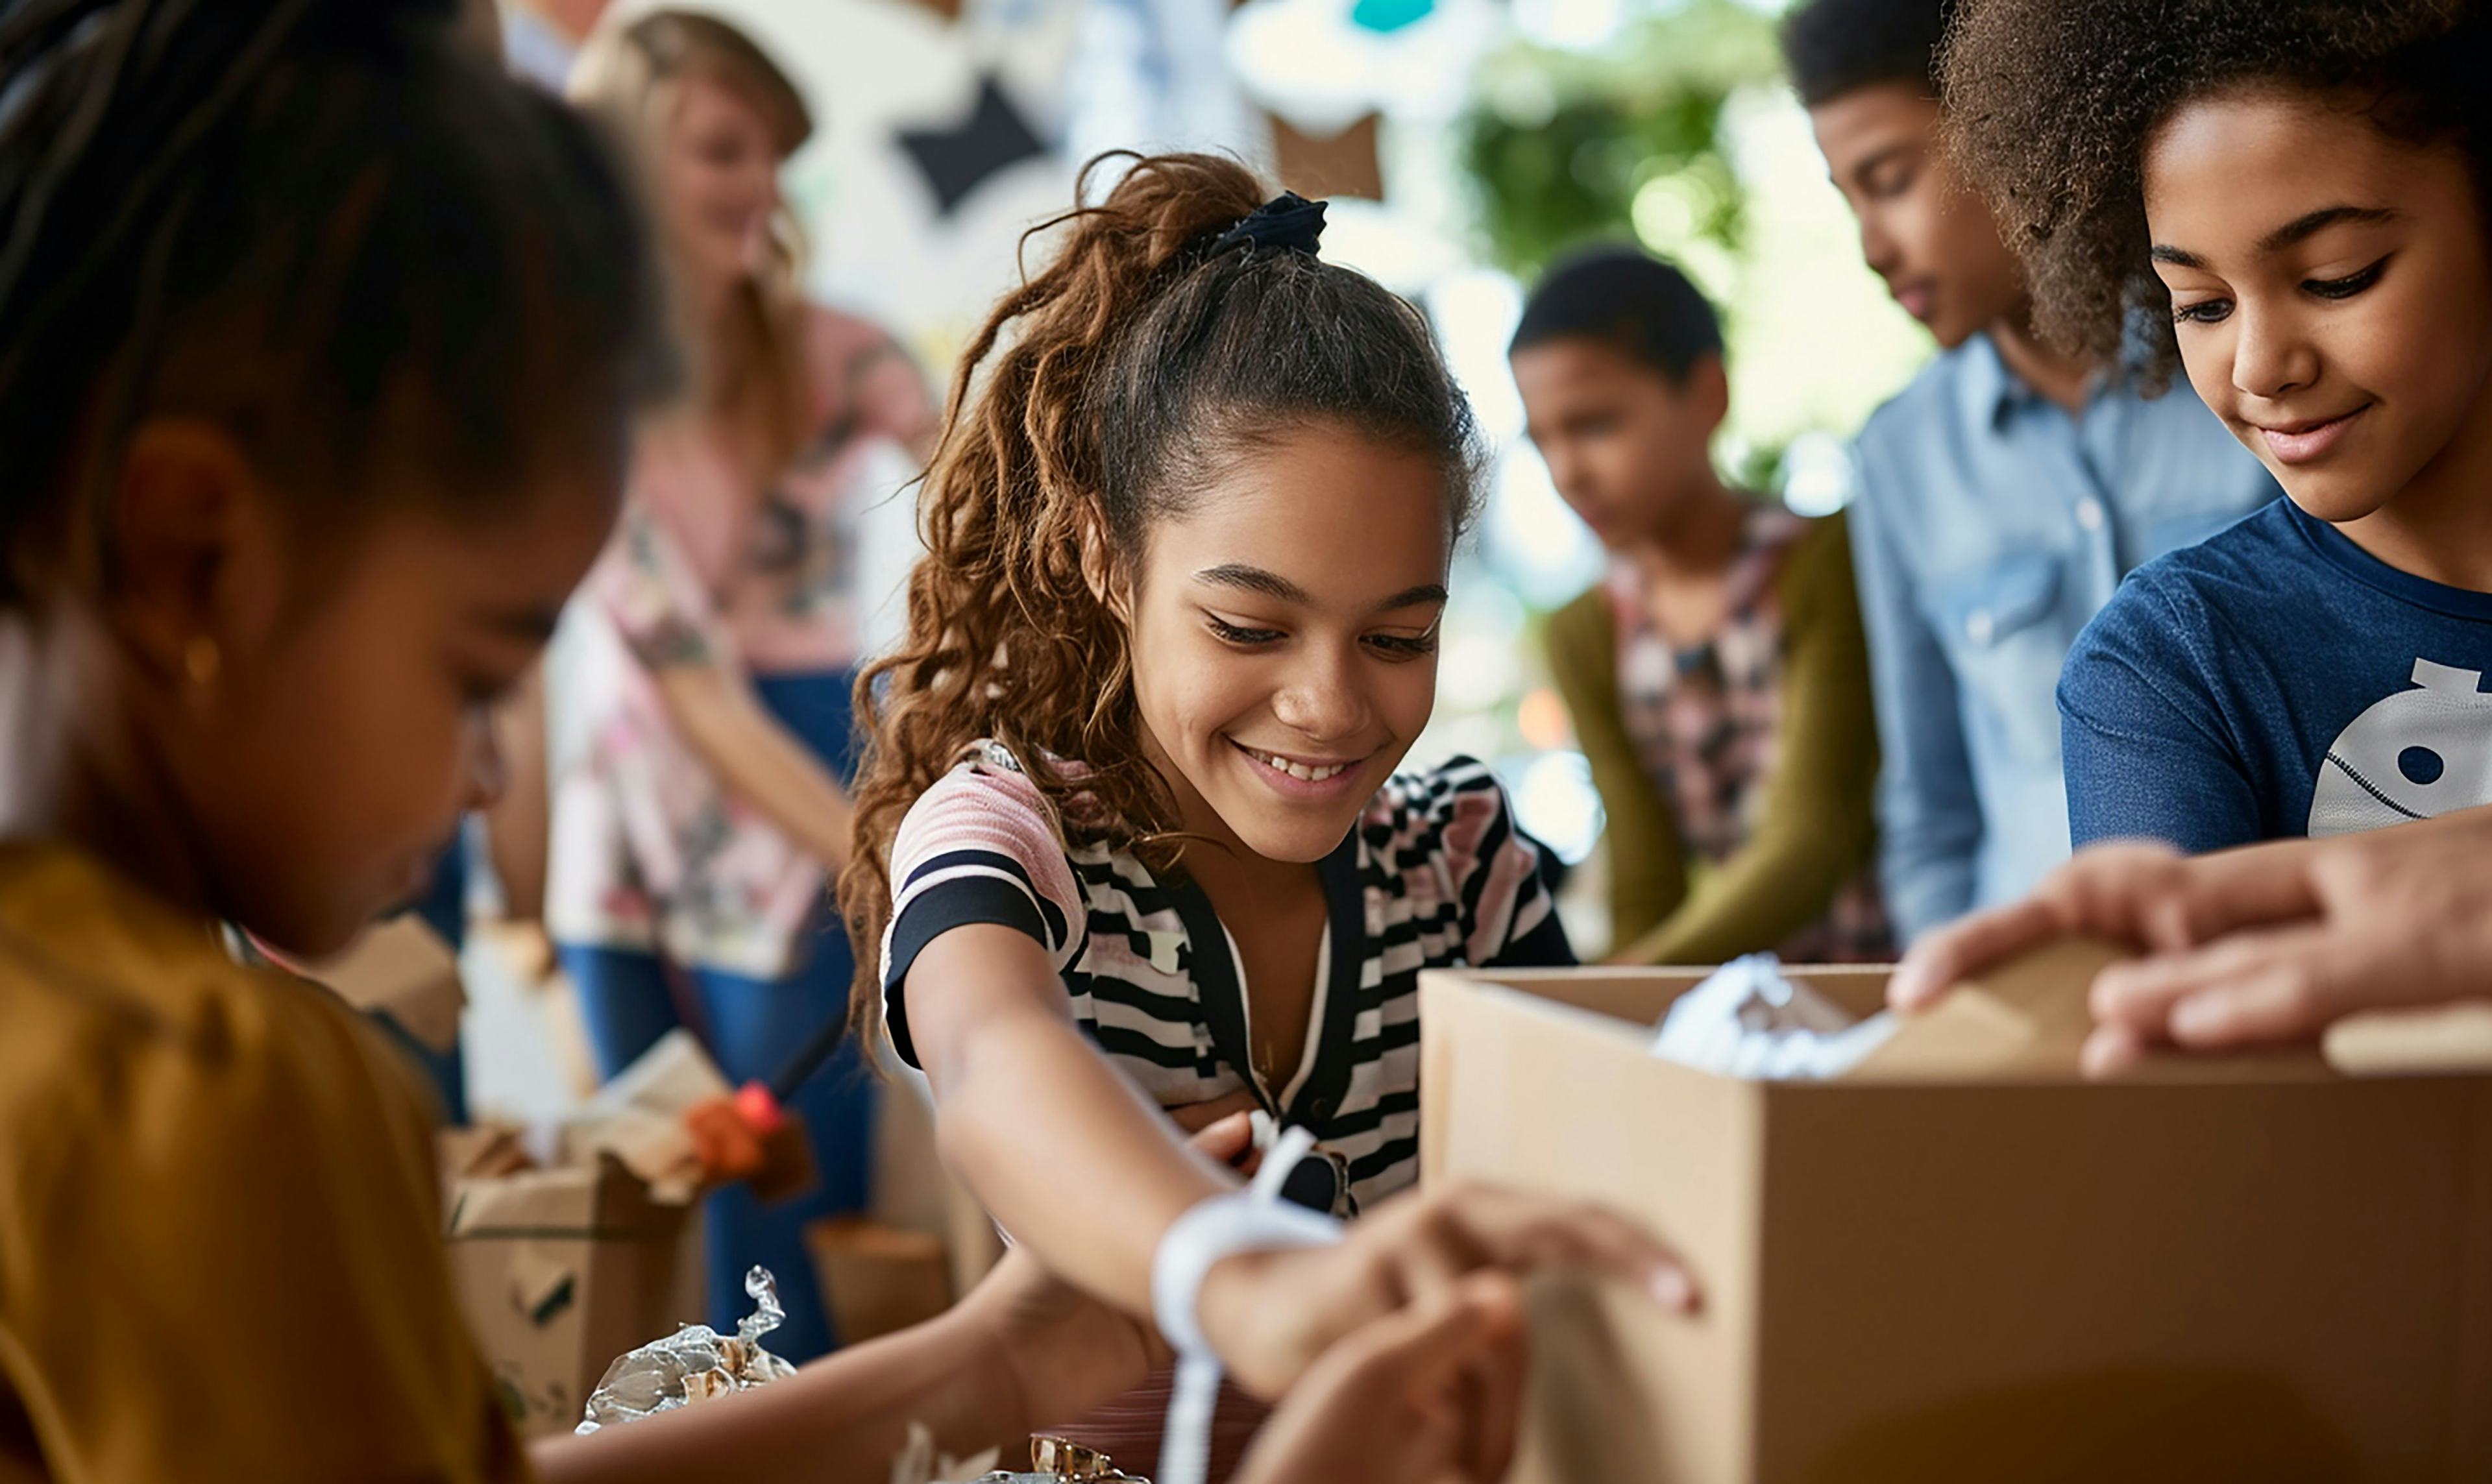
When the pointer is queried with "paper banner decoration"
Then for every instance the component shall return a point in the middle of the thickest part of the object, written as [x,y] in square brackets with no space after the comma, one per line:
[955,162]
[1325,166]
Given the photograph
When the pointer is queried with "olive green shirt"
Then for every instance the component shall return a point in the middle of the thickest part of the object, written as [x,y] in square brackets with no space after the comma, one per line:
[1816,835]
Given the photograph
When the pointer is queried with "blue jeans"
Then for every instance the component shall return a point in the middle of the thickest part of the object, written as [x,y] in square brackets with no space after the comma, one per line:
[752,1026]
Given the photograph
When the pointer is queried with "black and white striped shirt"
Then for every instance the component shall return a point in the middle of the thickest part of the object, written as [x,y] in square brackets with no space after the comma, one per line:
[1435,874]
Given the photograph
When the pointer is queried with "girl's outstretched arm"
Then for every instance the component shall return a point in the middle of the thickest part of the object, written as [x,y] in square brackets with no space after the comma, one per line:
[1066,1153]
[1024,1347]
[842,1420]
[1089,1176]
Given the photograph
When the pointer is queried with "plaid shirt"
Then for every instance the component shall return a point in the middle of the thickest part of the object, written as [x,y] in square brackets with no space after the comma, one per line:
[1705,721]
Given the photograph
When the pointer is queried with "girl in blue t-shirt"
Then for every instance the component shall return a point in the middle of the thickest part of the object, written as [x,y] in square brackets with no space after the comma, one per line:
[2297,193]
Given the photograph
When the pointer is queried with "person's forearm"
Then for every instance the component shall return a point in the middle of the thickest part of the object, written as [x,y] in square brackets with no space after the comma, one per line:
[1067,1155]
[836,1420]
[756,760]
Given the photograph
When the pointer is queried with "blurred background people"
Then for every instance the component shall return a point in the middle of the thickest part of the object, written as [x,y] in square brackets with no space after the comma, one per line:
[2000,497]
[1716,675]
[695,834]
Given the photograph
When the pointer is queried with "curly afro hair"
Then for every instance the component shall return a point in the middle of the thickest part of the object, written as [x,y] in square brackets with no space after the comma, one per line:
[1833,46]
[2050,105]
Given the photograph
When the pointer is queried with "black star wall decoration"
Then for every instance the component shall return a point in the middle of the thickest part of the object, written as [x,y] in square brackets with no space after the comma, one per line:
[955,160]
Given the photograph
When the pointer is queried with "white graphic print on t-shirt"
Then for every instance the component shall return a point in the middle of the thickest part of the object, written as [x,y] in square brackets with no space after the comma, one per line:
[2423,752]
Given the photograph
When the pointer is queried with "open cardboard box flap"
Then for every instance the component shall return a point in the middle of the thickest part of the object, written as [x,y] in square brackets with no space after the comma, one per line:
[2029,1018]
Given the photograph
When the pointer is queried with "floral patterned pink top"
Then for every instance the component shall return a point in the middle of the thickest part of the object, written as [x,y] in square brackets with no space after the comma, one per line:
[650,851]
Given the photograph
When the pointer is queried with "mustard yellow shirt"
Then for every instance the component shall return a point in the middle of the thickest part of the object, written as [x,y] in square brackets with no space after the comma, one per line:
[220,1253]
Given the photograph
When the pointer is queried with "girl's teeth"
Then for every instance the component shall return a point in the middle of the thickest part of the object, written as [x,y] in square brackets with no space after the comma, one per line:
[1299,770]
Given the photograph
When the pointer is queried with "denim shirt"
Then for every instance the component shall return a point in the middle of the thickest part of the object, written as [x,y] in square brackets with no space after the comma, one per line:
[1988,527]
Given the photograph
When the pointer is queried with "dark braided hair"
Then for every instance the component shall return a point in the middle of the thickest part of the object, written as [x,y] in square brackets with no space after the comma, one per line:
[2051,104]
[321,223]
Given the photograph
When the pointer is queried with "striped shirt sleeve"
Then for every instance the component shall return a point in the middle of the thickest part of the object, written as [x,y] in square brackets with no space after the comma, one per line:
[1509,916]
[977,847]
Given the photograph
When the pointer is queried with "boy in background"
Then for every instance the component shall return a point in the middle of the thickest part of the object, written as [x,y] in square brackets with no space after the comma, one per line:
[2001,497]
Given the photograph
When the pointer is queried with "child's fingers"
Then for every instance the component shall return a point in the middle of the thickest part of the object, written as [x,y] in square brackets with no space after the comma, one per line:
[2144,995]
[2110,891]
[2236,889]
[2111,1051]
[1421,1350]
[1482,1224]
[1195,1117]
[1939,961]
[1226,1139]
[1492,1403]
[2293,983]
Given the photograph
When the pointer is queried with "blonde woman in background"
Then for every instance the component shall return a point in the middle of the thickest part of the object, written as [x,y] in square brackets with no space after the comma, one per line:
[695,834]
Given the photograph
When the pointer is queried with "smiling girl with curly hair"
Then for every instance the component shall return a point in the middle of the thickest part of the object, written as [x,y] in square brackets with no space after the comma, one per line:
[2293,199]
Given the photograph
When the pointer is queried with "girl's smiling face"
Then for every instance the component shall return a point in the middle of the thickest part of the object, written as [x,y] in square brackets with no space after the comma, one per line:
[2331,292]
[1283,636]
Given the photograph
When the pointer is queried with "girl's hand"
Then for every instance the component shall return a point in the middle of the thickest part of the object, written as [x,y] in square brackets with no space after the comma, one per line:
[1271,1314]
[2269,944]
[2128,893]
[1065,1352]
[1430,1394]
[1223,1129]
[2392,919]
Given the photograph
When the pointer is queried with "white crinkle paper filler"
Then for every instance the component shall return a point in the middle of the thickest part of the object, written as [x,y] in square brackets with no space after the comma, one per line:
[1748,1021]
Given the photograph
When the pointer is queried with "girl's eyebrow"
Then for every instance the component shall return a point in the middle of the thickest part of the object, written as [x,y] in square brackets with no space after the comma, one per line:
[1254,580]
[2311,224]
[1271,584]
[2293,233]
[1413,597]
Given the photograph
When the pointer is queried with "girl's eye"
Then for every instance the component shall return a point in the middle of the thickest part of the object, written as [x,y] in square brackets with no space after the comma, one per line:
[1404,646]
[1890,185]
[2205,312]
[1231,634]
[2346,287]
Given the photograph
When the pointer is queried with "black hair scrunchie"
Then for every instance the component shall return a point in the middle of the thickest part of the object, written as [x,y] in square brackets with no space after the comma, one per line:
[1287,222]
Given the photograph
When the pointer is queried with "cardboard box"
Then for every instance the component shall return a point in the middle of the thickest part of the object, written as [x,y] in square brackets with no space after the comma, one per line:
[559,1272]
[403,969]
[878,1279]
[1965,1262]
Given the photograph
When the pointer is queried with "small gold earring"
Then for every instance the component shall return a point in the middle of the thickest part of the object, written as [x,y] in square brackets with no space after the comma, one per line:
[201,660]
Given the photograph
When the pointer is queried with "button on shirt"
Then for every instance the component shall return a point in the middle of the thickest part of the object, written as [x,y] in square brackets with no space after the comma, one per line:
[1988,527]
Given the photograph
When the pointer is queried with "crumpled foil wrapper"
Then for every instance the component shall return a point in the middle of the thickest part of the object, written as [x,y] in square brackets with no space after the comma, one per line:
[919,1462]
[694,1364]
